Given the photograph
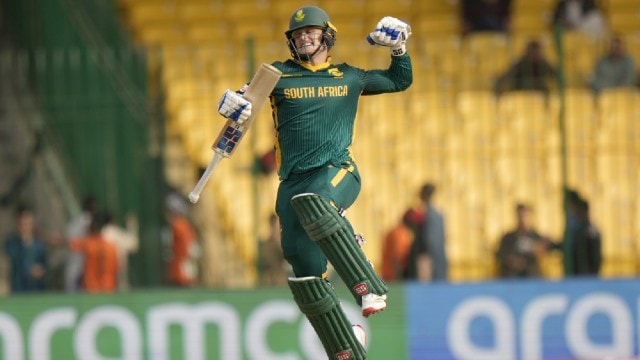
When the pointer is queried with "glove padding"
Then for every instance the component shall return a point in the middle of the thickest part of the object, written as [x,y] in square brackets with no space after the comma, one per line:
[233,106]
[392,33]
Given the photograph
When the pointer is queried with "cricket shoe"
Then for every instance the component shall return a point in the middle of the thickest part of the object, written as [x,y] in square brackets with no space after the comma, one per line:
[360,334]
[373,303]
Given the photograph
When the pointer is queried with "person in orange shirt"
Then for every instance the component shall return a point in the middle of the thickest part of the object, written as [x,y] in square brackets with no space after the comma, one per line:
[185,250]
[397,244]
[101,260]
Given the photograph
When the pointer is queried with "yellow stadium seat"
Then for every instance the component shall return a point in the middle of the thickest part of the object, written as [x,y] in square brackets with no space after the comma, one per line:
[581,118]
[530,22]
[139,14]
[580,54]
[433,26]
[376,9]
[206,11]
[246,9]
[436,7]
[523,6]
[619,114]
[348,9]
[478,111]
[161,34]
[625,21]
[484,57]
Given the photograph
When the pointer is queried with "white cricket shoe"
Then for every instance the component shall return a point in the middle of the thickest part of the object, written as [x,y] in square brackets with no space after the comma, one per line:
[373,303]
[361,335]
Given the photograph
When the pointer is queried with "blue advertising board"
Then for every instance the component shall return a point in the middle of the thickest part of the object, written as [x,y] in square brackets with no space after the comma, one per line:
[536,319]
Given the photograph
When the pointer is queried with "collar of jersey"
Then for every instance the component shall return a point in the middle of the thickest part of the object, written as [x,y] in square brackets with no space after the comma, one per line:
[315,68]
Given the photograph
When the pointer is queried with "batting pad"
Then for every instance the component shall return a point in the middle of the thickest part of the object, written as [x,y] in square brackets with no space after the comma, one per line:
[334,236]
[317,300]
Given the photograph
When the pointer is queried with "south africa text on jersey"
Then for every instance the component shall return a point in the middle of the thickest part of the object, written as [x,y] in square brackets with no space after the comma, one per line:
[316,91]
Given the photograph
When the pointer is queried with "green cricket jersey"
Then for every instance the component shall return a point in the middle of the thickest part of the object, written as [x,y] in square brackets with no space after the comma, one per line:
[314,109]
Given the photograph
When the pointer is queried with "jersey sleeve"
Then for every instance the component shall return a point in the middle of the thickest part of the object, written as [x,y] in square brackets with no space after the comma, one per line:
[398,77]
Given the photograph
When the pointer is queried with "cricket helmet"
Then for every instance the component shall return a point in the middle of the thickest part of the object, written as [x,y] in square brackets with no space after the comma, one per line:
[312,16]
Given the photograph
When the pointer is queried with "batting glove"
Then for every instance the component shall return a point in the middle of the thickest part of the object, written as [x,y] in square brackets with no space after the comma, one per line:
[392,33]
[233,106]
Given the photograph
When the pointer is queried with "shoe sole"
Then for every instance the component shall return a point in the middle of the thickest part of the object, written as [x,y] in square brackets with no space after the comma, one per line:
[370,311]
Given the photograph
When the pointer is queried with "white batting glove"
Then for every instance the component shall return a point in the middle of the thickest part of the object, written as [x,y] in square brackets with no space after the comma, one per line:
[233,106]
[392,33]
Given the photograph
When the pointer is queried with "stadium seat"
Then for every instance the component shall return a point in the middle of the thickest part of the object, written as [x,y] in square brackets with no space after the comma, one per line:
[430,27]
[619,115]
[478,112]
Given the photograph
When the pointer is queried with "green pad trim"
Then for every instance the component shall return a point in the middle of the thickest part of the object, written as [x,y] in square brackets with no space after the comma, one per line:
[320,304]
[334,236]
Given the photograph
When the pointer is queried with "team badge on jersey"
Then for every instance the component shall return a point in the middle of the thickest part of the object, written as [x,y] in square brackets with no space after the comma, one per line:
[336,73]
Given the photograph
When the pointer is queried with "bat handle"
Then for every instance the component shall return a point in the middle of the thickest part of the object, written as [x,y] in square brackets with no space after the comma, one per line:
[194,195]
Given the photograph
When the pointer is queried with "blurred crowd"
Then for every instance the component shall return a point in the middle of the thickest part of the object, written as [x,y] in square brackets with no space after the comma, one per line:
[414,248]
[614,68]
[93,255]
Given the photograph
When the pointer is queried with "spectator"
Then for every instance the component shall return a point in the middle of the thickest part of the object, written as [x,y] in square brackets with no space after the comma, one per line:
[582,250]
[26,254]
[418,259]
[531,72]
[78,228]
[271,263]
[100,273]
[580,15]
[185,250]
[614,69]
[520,248]
[125,241]
[485,15]
[434,235]
[397,244]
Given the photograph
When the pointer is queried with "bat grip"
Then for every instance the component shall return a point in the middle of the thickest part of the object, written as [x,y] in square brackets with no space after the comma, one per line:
[194,195]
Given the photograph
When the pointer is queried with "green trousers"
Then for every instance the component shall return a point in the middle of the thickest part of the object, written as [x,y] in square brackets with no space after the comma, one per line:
[340,185]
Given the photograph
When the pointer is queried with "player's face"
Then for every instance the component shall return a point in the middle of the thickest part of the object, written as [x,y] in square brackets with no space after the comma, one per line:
[307,40]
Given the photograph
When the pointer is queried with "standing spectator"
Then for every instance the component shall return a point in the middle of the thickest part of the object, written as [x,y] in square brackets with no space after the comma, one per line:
[125,241]
[580,15]
[519,249]
[77,229]
[583,245]
[486,15]
[271,263]
[614,69]
[397,245]
[185,250]
[26,254]
[531,72]
[100,273]
[434,234]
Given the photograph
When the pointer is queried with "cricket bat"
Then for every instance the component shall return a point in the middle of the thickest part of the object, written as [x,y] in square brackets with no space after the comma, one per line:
[260,87]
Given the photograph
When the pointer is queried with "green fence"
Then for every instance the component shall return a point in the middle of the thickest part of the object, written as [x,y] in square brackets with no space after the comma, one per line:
[91,82]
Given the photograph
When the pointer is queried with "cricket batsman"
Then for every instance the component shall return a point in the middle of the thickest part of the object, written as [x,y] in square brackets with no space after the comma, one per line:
[314,109]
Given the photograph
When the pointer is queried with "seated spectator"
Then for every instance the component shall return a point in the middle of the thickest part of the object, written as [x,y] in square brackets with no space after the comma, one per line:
[185,248]
[531,72]
[614,69]
[272,267]
[26,254]
[580,15]
[485,15]
[519,248]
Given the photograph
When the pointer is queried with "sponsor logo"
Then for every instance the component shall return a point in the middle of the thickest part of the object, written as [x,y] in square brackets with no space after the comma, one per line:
[361,289]
[345,355]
